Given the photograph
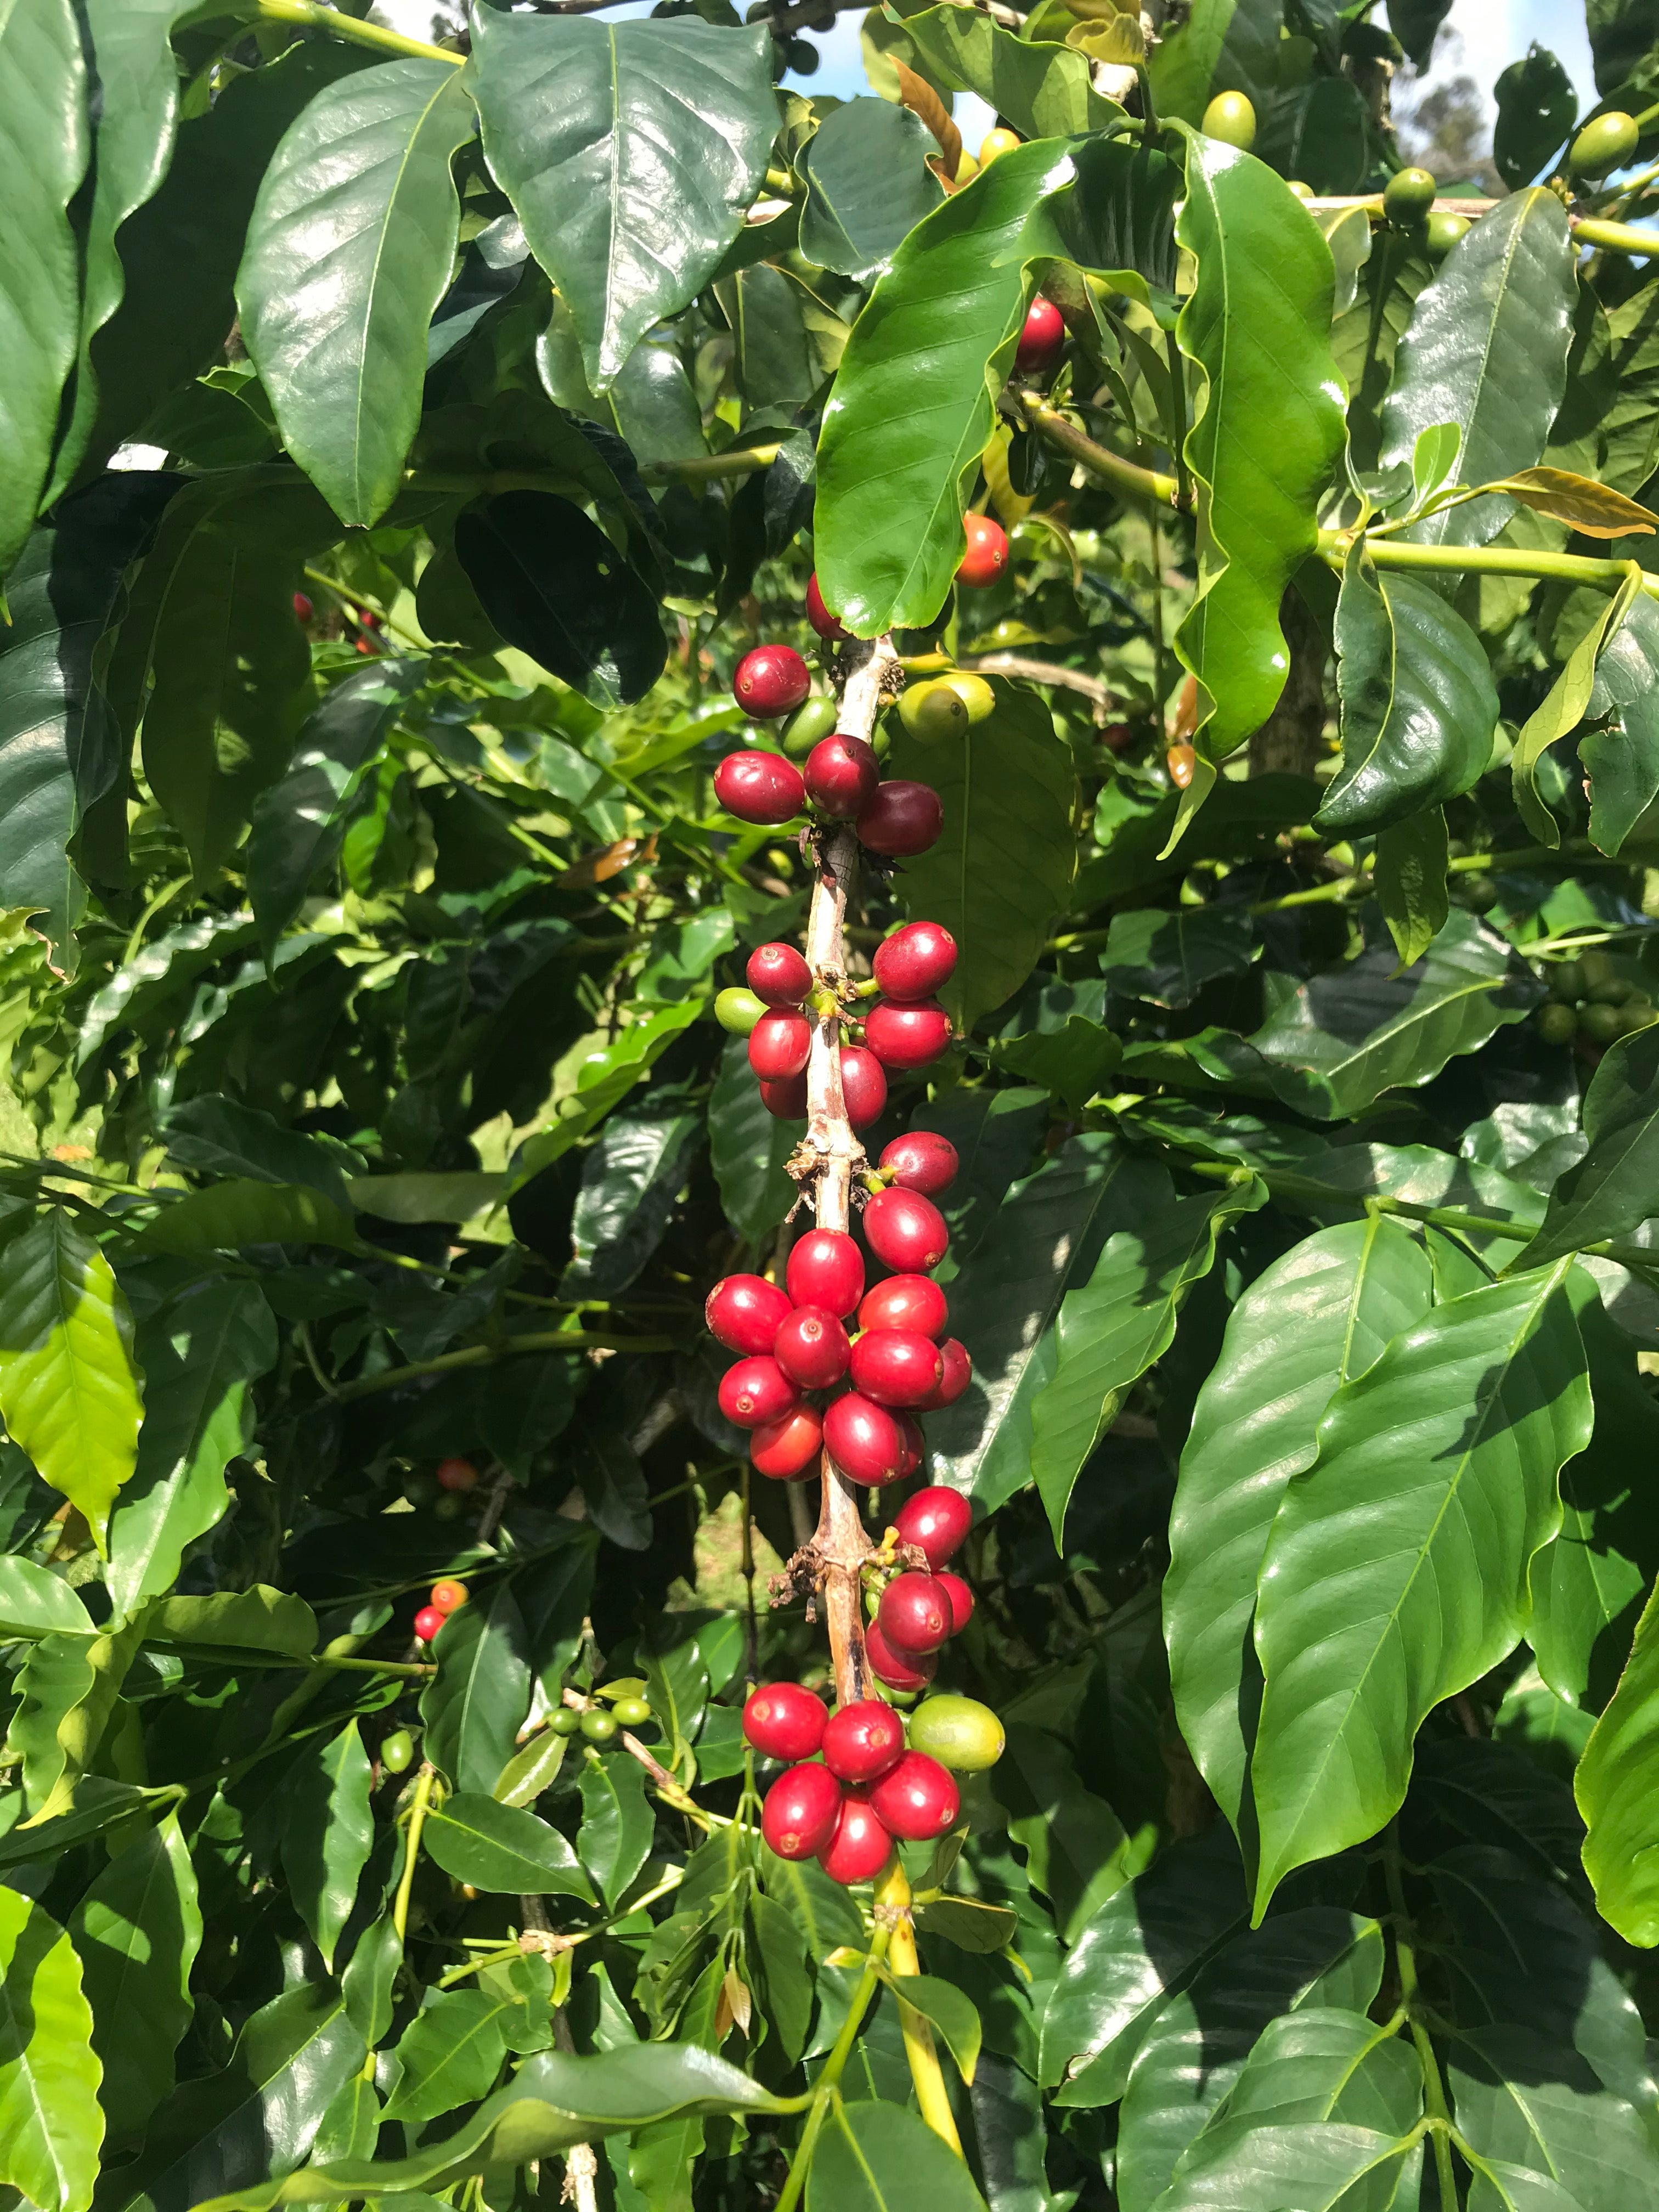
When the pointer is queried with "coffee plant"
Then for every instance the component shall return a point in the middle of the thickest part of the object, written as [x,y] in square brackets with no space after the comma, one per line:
[829,1152]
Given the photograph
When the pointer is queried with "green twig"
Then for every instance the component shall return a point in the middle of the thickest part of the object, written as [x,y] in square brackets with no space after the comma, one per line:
[1434,2090]
[1145,486]
[1482,560]
[827,2086]
[417,1812]
[484,1355]
[311,17]
[1615,237]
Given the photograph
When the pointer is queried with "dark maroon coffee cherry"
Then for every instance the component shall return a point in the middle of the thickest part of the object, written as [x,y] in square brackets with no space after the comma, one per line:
[922,1161]
[819,615]
[770,681]
[911,1441]
[788,1448]
[861,1846]
[812,1349]
[784,1720]
[914,961]
[914,1302]
[745,1312]
[958,1373]
[825,1268]
[918,1800]
[779,1045]
[914,1616]
[756,1391]
[1042,340]
[959,1597]
[863,1086]
[896,1367]
[936,1521]
[800,1813]
[900,1670]
[907,1037]
[762,787]
[864,1440]
[787,1100]
[861,1742]
[906,1231]
[840,776]
[778,974]
[903,819]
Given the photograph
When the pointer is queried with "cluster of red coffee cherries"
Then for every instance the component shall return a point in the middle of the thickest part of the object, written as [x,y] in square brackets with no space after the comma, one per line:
[447,1596]
[858,1781]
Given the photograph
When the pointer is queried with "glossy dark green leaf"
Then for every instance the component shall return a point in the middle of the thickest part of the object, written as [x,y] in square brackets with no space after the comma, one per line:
[995,1134]
[1419,706]
[1044,91]
[1073,1059]
[774,364]
[1487,349]
[1411,882]
[1615,1787]
[137,1931]
[349,249]
[1622,762]
[51,2124]
[1446,1452]
[1414,23]
[1561,710]
[748,1147]
[1267,427]
[617,1824]
[243,1211]
[1167,957]
[328,1830]
[1520,2098]
[880,2158]
[555,586]
[212,1134]
[1000,872]
[1537,107]
[450,2053]
[1610,1191]
[867,184]
[776,1961]
[476,1706]
[1319,2064]
[629,220]
[612,1483]
[1078,1853]
[1318,133]
[1315,1319]
[631,1178]
[503,1849]
[1310,2165]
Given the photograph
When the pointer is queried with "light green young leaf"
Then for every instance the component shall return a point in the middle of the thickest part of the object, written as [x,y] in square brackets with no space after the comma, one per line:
[1434,457]
[137,1931]
[257,1620]
[1617,1787]
[1563,710]
[34,1601]
[243,1211]
[1411,882]
[51,2123]
[1044,91]
[328,1831]
[950,2010]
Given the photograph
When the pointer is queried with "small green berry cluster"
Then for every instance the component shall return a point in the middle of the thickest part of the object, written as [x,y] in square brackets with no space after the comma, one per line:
[1591,1003]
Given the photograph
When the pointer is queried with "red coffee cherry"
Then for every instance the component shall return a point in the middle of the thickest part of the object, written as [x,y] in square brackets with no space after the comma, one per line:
[812,1348]
[863,1740]
[754,1392]
[915,1302]
[457,1474]
[903,819]
[770,681]
[900,1670]
[779,1045]
[428,1621]
[800,1813]
[911,1440]
[745,1312]
[787,1449]
[986,555]
[959,1599]
[784,1720]
[906,1231]
[1043,340]
[915,1617]
[958,1373]
[918,1800]
[896,1367]
[787,1100]
[863,1086]
[922,1161]
[861,1846]
[907,1037]
[826,1268]
[864,1440]
[301,607]
[916,960]
[819,615]
[936,1521]
[841,775]
[759,787]
[778,974]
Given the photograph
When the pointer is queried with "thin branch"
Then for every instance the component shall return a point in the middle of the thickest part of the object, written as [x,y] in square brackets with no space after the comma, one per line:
[1145,486]
[1040,672]
[485,1355]
[353,30]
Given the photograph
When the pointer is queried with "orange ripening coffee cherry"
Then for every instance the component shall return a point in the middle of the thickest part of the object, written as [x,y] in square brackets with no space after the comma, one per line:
[778,974]
[914,1616]
[770,682]
[825,1268]
[812,1348]
[864,1440]
[922,1161]
[918,1800]
[959,1597]
[428,1621]
[1042,339]
[936,1521]
[756,1391]
[904,818]
[779,1045]
[1182,761]
[907,1034]
[863,1086]
[448,1596]
[786,1100]
[841,775]
[862,1740]
[986,557]
[896,1366]
[457,1474]
[913,1302]
[958,1372]
[784,1720]
[916,960]
[861,1846]
[785,1449]
[819,616]
[906,1231]
[800,1813]
[900,1670]
[745,1312]
[760,787]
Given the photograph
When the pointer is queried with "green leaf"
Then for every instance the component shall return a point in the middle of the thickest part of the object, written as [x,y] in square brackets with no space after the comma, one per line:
[627,241]
[1320,2063]
[51,2124]
[1319,133]
[328,1830]
[1311,2167]
[1445,1453]
[1622,762]
[351,249]
[632,1176]
[783,1985]
[1111,1330]
[822,1913]
[1411,883]
[1487,349]
[880,2158]
[257,1620]
[1001,871]
[34,1601]
[474,1707]
[1562,710]
[1419,706]
[1184,66]
[1415,23]
[450,2053]
[1078,1852]
[503,1849]
[299,824]
[211,1134]
[748,1147]
[137,1931]
[1266,426]
[244,1212]
[42,160]
[1316,1318]
[1167,958]
[1615,1787]
[1357,1030]
[1519,2098]
[1044,91]
[618,1825]
[866,182]
[1537,107]
[1610,1191]
[199,1356]
[69,1389]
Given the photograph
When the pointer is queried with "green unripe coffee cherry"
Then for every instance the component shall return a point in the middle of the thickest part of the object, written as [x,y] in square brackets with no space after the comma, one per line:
[1408,198]
[1231,117]
[1482,894]
[631,1712]
[813,720]
[1596,967]
[1567,981]
[1558,1024]
[1635,1014]
[959,1732]
[1606,143]
[932,712]
[1612,990]
[1444,232]
[422,1489]
[737,1011]
[975,693]
[565,1720]
[1600,1024]
[1303,191]
[599,1726]
[446,1506]
[397,1750]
